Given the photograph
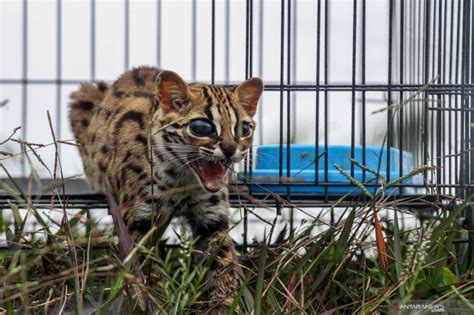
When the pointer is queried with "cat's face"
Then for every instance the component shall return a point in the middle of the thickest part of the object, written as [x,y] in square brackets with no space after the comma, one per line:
[208,127]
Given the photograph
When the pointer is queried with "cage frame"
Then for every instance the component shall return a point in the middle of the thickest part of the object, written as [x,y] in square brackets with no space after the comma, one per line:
[432,28]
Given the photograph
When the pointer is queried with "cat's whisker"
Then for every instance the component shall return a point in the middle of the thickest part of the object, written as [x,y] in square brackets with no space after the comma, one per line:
[179,154]
[190,161]
[177,145]
[204,149]
[180,146]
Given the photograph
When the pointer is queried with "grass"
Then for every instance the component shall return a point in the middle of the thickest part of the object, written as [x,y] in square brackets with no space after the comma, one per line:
[341,269]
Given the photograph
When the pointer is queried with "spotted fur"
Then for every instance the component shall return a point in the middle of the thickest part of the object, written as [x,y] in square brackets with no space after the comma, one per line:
[136,141]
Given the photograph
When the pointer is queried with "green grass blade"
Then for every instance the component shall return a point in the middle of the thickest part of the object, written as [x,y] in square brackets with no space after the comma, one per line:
[446,223]
[342,243]
[397,252]
[260,280]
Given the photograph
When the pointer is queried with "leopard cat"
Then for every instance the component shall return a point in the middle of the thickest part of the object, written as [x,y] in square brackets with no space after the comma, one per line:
[150,135]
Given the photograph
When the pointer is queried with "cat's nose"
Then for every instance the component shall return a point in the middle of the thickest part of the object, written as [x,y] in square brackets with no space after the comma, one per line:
[228,148]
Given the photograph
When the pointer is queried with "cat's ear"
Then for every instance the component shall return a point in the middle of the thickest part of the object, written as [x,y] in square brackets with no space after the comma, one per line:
[173,92]
[249,93]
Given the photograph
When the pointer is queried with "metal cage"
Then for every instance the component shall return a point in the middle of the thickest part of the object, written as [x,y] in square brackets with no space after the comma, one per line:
[426,90]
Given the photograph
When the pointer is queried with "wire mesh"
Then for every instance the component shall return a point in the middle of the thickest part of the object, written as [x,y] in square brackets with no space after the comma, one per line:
[429,61]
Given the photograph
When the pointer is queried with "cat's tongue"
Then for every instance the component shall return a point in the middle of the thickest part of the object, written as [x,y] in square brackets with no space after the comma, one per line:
[210,173]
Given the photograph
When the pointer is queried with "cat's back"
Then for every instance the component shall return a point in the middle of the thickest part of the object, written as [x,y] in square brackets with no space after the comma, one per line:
[111,123]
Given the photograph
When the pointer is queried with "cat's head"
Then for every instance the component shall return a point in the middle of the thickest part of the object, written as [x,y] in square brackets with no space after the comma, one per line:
[206,127]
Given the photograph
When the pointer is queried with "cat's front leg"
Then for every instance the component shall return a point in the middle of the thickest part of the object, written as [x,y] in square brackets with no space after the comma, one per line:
[210,224]
[223,278]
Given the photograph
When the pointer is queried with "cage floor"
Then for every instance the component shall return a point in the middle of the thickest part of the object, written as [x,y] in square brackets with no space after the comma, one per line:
[77,194]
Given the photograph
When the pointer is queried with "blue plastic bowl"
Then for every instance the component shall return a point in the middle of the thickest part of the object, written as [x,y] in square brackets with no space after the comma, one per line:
[304,166]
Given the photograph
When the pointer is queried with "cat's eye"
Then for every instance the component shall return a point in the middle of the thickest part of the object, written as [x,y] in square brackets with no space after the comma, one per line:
[202,128]
[245,130]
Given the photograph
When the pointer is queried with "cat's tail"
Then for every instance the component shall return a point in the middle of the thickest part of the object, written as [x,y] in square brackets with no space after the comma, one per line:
[84,103]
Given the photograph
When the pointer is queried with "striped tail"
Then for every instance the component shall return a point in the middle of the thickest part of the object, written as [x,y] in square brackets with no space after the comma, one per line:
[83,105]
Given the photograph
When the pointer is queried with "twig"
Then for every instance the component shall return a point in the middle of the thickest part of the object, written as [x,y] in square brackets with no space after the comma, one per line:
[39,145]
[68,143]
[69,235]
[40,160]
[10,137]
[168,125]
[53,187]
[27,151]
[6,153]
[412,98]
[125,244]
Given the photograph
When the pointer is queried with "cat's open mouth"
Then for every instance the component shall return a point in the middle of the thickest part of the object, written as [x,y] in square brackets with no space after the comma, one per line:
[211,173]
